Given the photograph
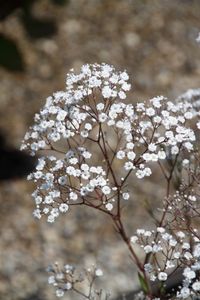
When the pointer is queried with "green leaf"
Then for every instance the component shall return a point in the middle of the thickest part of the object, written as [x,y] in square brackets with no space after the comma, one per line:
[143,283]
[10,56]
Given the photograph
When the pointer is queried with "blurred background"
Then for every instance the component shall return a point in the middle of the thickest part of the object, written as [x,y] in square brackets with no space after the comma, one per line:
[40,40]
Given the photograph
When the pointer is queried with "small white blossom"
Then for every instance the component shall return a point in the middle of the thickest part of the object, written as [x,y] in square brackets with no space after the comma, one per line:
[125,196]
[100,106]
[63,207]
[152,147]
[131,155]
[148,249]
[98,272]
[188,273]
[59,293]
[134,239]
[196,286]
[106,190]
[109,206]
[162,276]
[67,286]
[150,112]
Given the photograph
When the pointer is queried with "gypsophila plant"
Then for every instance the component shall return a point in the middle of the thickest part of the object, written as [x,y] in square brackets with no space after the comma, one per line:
[90,142]
[70,278]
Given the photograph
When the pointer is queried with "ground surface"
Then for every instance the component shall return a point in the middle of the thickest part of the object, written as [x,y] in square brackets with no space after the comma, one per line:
[155,42]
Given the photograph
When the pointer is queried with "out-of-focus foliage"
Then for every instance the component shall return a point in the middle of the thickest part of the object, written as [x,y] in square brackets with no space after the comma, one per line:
[60,2]
[14,163]
[10,56]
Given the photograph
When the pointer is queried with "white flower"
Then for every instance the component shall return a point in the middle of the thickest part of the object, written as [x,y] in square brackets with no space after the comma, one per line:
[67,286]
[37,213]
[174,150]
[150,112]
[59,293]
[140,231]
[156,101]
[38,200]
[120,154]
[188,273]
[180,234]
[129,110]
[134,239]
[126,86]
[188,146]
[59,276]
[161,154]
[125,196]
[106,190]
[148,233]
[176,255]
[73,196]
[130,145]
[88,126]
[100,106]
[196,286]
[128,165]
[73,160]
[64,207]
[147,171]
[106,70]
[185,162]
[196,251]
[186,246]
[124,76]
[122,95]
[51,219]
[107,92]
[148,249]
[98,272]
[109,206]
[61,115]
[48,199]
[152,277]
[142,173]
[147,156]
[162,276]
[160,229]
[131,155]
[148,268]
[170,264]
[62,180]
[188,115]
[192,198]
[172,242]
[157,119]
[84,133]
[184,293]
[152,147]
[157,248]
[51,279]
[86,154]
[102,117]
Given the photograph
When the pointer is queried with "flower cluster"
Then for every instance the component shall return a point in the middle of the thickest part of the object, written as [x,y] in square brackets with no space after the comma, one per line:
[89,142]
[70,113]
[69,278]
[91,111]
[175,249]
